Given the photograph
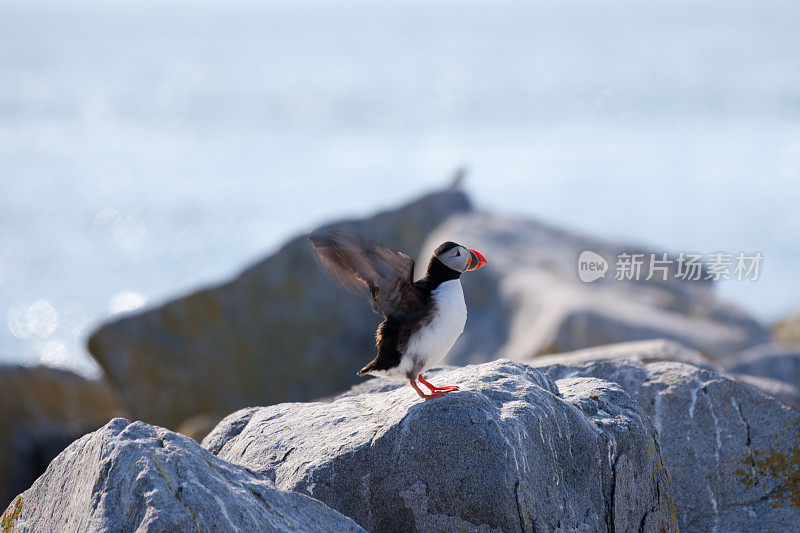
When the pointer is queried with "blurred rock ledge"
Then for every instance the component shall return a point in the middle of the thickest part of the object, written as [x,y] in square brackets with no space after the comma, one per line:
[768,361]
[42,410]
[643,351]
[529,300]
[787,332]
[770,367]
[281,331]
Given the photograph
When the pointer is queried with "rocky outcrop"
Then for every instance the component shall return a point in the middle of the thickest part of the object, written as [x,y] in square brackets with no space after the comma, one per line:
[530,300]
[280,331]
[42,410]
[511,451]
[136,477]
[732,451]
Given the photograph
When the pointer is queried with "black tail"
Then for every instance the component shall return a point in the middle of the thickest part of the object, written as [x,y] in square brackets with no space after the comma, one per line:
[369,368]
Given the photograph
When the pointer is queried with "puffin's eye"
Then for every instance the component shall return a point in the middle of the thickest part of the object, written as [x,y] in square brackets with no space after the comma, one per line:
[458,253]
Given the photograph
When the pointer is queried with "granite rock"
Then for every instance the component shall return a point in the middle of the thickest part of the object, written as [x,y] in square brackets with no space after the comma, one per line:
[733,452]
[511,451]
[136,477]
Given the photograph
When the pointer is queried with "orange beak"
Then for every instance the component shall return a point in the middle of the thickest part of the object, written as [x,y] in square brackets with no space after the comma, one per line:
[476,260]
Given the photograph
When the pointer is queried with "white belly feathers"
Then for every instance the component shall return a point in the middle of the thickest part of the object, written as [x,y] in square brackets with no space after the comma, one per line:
[428,345]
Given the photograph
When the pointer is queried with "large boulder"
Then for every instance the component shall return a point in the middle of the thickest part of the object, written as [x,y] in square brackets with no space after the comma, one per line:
[511,451]
[733,452]
[280,331]
[42,410]
[136,477]
[529,300]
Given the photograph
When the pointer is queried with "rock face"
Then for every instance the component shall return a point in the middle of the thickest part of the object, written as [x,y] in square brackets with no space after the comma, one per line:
[136,477]
[511,451]
[42,410]
[529,300]
[733,452]
[280,331]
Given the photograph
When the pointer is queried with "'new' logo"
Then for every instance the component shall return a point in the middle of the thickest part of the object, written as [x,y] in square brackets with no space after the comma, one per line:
[591,266]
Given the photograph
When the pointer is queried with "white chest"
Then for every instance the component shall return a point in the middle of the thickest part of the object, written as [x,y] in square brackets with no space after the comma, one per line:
[432,342]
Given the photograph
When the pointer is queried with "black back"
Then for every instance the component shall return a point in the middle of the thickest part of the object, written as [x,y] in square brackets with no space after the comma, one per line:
[394,333]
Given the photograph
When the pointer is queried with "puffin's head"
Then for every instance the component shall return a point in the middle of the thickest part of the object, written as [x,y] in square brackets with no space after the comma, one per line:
[458,258]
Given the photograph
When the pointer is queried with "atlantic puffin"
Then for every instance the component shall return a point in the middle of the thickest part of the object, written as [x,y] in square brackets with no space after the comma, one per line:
[422,319]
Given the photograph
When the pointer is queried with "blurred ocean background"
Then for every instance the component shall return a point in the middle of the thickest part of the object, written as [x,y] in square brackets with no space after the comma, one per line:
[149,148]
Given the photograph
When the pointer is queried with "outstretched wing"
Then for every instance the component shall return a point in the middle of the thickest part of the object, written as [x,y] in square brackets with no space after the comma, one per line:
[362,265]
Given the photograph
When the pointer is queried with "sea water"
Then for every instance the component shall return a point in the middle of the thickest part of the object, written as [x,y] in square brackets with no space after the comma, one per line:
[149,148]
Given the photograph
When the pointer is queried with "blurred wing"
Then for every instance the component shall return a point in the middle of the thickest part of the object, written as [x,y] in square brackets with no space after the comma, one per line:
[362,265]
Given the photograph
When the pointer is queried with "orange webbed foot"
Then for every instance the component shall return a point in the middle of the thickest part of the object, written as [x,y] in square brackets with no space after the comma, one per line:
[435,391]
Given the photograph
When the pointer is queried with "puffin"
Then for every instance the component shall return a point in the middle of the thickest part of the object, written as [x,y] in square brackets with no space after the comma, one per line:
[422,319]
